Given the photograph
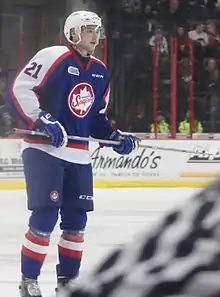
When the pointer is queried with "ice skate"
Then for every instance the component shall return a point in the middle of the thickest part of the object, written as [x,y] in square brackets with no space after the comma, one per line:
[29,288]
[63,282]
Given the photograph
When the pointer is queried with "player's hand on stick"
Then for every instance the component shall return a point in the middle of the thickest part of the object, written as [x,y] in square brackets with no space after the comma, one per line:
[53,128]
[129,143]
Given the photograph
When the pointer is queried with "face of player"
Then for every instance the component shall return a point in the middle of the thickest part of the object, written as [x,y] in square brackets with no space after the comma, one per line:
[89,39]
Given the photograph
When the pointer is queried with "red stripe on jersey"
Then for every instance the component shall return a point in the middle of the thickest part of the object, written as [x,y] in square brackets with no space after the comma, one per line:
[70,253]
[51,69]
[94,60]
[33,255]
[37,240]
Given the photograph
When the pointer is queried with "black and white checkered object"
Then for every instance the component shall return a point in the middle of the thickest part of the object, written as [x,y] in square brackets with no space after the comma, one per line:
[180,256]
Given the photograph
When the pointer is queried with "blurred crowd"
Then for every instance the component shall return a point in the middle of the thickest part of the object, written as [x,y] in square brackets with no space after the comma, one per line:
[135,30]
[140,60]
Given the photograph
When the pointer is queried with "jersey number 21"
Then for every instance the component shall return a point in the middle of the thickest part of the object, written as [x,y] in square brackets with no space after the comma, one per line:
[33,70]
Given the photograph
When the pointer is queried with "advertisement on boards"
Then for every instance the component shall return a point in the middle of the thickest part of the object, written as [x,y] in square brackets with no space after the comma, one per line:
[10,159]
[145,164]
[205,155]
[205,162]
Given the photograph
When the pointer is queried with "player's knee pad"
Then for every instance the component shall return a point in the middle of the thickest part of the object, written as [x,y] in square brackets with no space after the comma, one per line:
[43,220]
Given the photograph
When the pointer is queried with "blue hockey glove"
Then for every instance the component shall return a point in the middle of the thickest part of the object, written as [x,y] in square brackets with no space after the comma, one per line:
[53,128]
[128,144]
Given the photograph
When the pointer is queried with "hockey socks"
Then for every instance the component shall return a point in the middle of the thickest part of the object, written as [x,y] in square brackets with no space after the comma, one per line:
[70,249]
[33,254]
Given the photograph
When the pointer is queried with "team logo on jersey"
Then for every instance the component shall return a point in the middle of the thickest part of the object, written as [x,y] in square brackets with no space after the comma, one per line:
[80,99]
[73,70]
[54,196]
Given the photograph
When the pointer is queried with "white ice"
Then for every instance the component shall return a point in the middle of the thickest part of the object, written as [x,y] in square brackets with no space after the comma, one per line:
[119,215]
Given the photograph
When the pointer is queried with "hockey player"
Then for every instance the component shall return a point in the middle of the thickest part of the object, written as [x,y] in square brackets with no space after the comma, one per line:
[62,91]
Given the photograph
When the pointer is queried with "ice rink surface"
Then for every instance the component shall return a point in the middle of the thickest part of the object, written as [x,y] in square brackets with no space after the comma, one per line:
[120,214]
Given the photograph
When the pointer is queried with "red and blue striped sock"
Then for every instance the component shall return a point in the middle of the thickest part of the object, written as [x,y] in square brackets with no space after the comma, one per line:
[33,254]
[70,250]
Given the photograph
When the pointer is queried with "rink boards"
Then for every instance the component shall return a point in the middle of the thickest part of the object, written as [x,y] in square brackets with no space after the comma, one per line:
[144,168]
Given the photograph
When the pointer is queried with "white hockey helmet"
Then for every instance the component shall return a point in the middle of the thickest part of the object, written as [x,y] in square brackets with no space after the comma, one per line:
[79,19]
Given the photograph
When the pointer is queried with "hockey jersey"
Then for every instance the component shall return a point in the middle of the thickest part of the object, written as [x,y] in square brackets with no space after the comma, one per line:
[55,80]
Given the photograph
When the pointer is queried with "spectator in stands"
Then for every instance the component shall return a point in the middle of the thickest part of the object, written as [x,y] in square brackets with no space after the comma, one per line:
[150,11]
[212,7]
[210,79]
[183,87]
[201,40]
[197,9]
[138,120]
[184,71]
[182,42]
[161,126]
[199,35]
[159,40]
[214,39]
[213,33]
[131,6]
[184,126]
[171,14]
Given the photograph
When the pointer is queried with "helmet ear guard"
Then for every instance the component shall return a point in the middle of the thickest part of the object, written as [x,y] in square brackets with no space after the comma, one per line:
[75,38]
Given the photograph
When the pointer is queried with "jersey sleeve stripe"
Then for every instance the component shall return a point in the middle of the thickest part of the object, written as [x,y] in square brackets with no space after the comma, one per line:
[51,69]
[106,95]
[106,100]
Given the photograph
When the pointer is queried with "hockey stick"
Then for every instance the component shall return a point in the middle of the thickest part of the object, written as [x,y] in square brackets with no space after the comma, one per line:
[70,137]
[23,132]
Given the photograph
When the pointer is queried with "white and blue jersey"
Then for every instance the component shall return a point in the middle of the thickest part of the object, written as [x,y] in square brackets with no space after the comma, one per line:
[55,80]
